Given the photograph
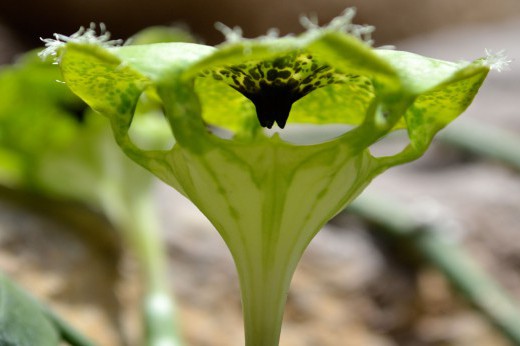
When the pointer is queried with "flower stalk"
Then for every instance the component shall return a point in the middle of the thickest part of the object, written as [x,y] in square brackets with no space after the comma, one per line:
[136,217]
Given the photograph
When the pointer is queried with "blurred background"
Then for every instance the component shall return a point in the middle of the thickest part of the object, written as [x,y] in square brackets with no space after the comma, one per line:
[23,22]
[354,286]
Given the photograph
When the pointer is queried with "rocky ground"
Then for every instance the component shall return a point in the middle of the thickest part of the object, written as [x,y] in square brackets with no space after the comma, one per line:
[352,287]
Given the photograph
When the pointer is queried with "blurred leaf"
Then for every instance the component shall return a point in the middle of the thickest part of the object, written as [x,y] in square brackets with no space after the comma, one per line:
[22,322]
[56,146]
[27,92]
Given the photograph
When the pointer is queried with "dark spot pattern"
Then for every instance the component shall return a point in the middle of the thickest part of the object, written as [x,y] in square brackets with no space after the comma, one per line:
[274,85]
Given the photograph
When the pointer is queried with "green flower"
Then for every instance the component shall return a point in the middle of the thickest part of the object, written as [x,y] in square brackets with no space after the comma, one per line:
[266,196]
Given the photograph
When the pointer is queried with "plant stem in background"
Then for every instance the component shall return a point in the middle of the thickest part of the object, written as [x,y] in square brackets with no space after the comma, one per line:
[137,219]
[159,309]
[459,268]
[485,140]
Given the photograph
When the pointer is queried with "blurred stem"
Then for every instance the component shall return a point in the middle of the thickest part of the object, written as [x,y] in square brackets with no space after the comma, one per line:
[458,266]
[138,220]
[485,140]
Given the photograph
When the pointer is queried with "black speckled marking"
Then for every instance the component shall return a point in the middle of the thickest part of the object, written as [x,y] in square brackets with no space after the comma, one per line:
[274,85]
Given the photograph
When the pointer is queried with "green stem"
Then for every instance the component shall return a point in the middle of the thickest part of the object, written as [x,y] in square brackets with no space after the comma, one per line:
[264,290]
[484,140]
[458,266]
[138,221]
[265,265]
[159,309]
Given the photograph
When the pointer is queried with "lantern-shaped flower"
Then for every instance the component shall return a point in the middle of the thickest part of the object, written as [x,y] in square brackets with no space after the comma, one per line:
[268,197]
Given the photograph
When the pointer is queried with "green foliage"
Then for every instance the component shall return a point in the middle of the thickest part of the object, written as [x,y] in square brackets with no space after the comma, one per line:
[27,92]
[50,142]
